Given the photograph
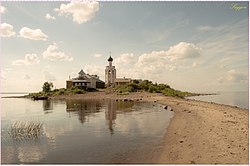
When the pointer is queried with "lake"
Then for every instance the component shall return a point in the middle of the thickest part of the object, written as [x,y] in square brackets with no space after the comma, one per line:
[83,131]
[240,99]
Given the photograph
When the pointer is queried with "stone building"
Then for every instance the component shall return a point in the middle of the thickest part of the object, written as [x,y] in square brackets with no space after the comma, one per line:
[110,76]
[86,81]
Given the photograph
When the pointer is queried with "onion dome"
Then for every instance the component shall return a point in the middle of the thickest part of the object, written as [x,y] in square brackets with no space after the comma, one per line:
[110,58]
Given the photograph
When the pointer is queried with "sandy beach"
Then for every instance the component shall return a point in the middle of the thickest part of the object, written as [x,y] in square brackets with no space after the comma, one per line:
[200,132]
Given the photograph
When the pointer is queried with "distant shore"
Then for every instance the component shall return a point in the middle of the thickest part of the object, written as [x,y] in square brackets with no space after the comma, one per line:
[200,132]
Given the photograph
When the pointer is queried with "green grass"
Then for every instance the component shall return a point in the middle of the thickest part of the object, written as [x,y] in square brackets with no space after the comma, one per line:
[148,86]
[61,91]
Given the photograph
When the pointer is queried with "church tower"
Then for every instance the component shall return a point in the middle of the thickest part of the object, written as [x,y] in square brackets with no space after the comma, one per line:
[110,73]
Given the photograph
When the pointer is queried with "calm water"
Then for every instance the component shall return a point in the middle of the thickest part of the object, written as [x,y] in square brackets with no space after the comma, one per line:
[240,99]
[84,131]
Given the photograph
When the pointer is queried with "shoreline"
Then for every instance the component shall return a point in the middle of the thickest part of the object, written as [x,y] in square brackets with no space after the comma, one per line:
[199,133]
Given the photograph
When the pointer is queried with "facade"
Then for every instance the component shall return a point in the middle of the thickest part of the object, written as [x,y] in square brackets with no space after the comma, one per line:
[110,76]
[86,81]
[110,73]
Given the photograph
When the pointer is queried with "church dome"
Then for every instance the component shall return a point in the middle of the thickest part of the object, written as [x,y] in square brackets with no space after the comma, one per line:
[110,58]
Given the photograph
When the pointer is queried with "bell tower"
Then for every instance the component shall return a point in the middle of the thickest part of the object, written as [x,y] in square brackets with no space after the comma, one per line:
[110,73]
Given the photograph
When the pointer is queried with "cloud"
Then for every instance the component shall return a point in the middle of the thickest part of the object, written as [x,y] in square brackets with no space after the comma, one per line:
[2,74]
[26,77]
[3,9]
[125,59]
[49,17]
[29,59]
[49,76]
[36,34]
[233,76]
[53,54]
[97,55]
[183,50]
[94,70]
[204,28]
[7,30]
[158,62]
[81,11]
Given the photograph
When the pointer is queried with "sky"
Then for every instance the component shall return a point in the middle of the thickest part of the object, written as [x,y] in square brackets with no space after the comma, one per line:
[191,46]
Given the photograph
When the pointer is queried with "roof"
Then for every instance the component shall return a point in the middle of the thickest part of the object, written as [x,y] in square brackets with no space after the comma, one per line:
[79,80]
[81,73]
[110,58]
[122,80]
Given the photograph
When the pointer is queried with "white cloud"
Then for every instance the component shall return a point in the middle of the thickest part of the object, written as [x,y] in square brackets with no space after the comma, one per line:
[53,54]
[3,9]
[183,50]
[49,76]
[49,17]
[7,30]
[81,11]
[26,77]
[126,58]
[158,62]
[32,34]
[97,55]
[204,28]
[233,76]
[29,59]
[2,74]
[94,70]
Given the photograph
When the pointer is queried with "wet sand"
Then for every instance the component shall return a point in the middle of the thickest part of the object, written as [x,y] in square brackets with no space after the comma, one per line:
[200,132]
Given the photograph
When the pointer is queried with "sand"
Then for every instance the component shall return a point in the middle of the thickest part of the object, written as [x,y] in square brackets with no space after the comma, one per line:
[199,133]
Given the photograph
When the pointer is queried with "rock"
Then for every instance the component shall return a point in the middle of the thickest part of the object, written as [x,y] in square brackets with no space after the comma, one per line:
[192,162]
[166,107]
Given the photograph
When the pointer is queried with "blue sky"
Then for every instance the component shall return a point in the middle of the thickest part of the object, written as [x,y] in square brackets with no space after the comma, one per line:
[193,46]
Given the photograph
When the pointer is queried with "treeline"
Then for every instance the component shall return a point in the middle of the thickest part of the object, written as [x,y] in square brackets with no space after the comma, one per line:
[151,87]
[47,90]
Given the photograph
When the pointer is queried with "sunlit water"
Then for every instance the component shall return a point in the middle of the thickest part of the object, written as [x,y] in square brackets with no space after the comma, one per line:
[84,131]
[240,99]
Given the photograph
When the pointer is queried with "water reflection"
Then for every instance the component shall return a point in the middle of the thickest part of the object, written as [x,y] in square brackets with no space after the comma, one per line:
[83,108]
[111,112]
[112,132]
[47,106]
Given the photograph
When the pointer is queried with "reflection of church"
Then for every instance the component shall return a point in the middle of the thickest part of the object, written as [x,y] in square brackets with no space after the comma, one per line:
[84,109]
[110,76]
[110,115]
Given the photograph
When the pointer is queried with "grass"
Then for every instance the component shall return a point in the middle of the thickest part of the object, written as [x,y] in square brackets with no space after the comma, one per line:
[61,91]
[148,86]
[25,130]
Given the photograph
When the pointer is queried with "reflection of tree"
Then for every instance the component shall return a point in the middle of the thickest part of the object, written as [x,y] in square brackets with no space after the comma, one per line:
[47,105]
[83,108]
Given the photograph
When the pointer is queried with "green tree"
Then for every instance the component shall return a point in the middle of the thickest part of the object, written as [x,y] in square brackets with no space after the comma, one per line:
[47,86]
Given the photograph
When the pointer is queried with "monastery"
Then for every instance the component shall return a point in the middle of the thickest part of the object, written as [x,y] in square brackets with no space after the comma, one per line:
[110,76]
[93,81]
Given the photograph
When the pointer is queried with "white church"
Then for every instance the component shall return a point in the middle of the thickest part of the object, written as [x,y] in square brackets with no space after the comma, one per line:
[93,81]
[110,76]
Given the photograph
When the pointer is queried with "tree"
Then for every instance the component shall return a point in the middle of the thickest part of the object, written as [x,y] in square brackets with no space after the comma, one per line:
[47,86]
